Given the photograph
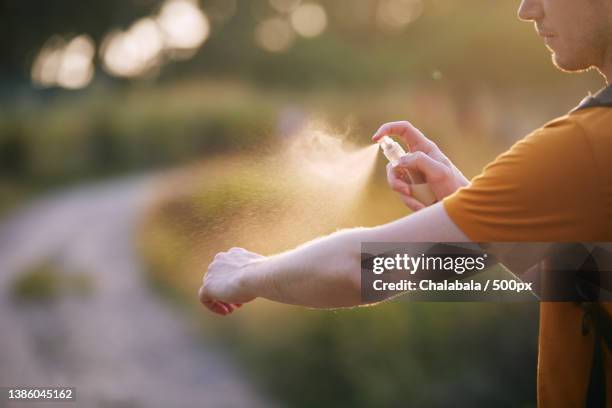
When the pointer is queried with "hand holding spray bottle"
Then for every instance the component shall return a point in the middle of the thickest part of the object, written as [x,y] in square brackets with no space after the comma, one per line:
[418,183]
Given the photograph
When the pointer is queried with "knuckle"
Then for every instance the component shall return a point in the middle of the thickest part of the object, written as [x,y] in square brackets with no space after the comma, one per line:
[442,173]
[441,158]
[419,155]
[205,287]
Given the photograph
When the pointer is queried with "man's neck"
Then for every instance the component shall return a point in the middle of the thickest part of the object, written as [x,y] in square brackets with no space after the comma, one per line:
[606,68]
[607,74]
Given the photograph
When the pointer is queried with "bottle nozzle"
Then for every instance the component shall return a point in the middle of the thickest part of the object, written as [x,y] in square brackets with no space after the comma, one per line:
[391,149]
[386,143]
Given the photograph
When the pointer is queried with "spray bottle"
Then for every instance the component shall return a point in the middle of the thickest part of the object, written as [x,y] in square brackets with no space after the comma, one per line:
[418,183]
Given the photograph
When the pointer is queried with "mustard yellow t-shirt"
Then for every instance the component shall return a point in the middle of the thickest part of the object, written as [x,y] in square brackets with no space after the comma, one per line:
[555,185]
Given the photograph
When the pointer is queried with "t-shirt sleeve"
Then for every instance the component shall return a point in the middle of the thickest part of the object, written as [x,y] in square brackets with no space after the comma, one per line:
[541,189]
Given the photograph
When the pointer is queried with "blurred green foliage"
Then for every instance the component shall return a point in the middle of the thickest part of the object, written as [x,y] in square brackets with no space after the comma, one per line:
[44,282]
[398,355]
[110,133]
[39,284]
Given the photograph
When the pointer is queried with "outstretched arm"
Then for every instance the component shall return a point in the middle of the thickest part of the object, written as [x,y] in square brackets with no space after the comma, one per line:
[323,273]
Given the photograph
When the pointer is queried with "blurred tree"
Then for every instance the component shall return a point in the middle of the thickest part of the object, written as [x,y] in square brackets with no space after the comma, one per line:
[25,25]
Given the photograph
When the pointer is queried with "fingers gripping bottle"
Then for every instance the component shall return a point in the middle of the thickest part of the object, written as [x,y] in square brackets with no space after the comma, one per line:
[418,183]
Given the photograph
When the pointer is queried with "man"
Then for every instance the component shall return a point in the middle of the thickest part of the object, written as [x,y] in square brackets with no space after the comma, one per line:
[555,185]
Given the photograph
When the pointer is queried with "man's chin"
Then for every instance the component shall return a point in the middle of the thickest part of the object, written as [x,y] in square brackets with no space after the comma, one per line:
[568,65]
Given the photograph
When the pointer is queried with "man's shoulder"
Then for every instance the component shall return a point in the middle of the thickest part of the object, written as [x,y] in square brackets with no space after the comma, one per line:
[565,130]
[561,140]
[595,121]
[590,125]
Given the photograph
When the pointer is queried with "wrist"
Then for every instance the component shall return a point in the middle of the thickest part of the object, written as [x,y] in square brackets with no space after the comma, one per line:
[249,279]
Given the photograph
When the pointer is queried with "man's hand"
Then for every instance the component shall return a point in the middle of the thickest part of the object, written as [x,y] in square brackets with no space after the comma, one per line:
[442,176]
[223,289]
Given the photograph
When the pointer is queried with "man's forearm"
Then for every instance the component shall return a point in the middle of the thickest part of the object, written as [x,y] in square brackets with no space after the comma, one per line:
[324,273]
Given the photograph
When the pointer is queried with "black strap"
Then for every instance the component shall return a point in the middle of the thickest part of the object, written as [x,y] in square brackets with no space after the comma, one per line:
[596,317]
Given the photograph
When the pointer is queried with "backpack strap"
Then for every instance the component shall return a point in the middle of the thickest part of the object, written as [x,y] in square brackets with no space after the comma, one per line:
[596,317]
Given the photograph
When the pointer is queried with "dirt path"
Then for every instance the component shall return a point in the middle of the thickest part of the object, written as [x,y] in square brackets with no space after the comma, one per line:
[120,346]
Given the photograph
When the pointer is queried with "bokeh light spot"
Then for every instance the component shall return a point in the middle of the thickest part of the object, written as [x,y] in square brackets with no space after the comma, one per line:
[184,24]
[65,64]
[309,20]
[274,34]
[395,15]
[134,52]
